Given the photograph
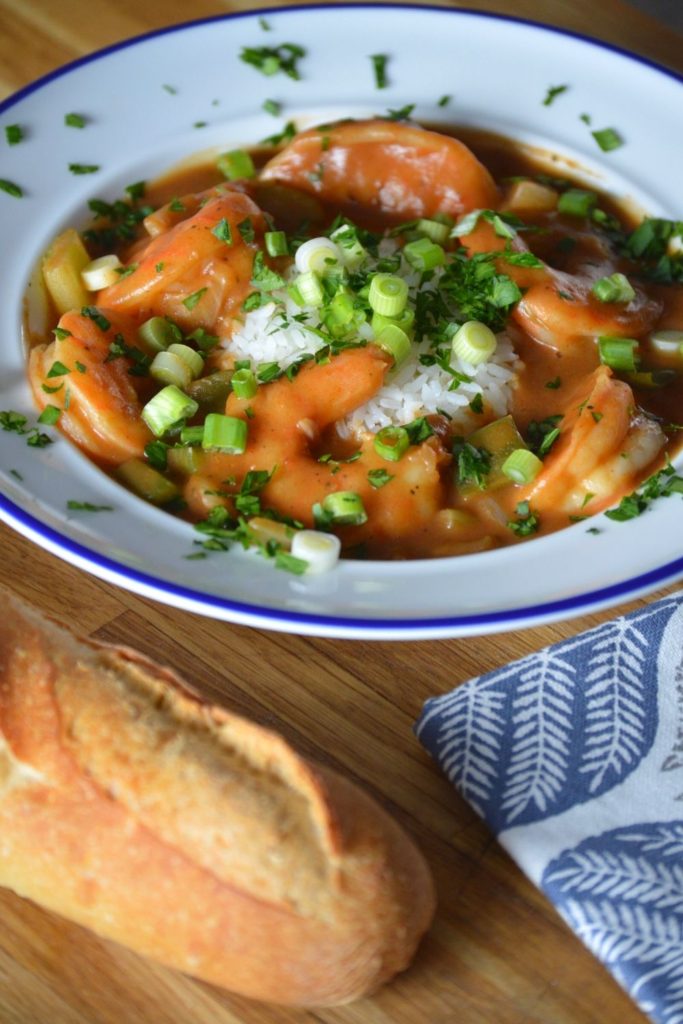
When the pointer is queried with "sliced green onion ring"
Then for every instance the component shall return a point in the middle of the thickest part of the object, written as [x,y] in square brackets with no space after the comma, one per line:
[405,320]
[310,289]
[318,255]
[424,254]
[667,342]
[169,368]
[522,466]
[224,434]
[168,408]
[276,243]
[344,508]
[391,443]
[190,356]
[619,354]
[244,383]
[395,341]
[388,294]
[474,343]
[615,288]
[235,164]
[436,230]
[158,333]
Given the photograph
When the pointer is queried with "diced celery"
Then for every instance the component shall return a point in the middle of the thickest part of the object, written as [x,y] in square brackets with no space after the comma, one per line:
[147,482]
[500,438]
[62,265]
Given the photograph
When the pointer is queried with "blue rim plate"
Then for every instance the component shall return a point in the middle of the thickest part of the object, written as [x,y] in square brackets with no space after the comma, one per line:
[150,102]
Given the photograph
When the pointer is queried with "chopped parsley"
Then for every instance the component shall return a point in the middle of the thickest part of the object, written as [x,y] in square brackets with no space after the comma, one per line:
[553,384]
[379,478]
[553,92]
[11,188]
[93,313]
[170,89]
[50,415]
[473,464]
[379,64]
[608,139]
[58,369]
[527,522]
[263,277]
[477,404]
[402,114]
[86,506]
[157,455]
[272,107]
[662,484]
[246,230]
[14,134]
[191,300]
[14,422]
[286,135]
[84,168]
[269,60]
[223,231]
[445,100]
[418,430]
[74,120]
[542,434]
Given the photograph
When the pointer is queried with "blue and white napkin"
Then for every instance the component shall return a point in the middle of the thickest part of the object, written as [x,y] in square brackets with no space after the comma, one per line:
[574,758]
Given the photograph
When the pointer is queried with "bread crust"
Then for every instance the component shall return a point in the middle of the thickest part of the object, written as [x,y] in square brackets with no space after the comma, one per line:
[130,805]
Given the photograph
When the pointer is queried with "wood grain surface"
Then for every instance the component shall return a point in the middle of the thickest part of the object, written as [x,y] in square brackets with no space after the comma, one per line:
[498,953]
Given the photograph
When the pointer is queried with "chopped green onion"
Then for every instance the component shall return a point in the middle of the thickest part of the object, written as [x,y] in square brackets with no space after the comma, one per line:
[276,243]
[667,342]
[436,230]
[619,353]
[424,254]
[11,188]
[224,434]
[170,368]
[147,482]
[168,408]
[319,550]
[379,63]
[608,139]
[388,294]
[192,435]
[522,466]
[190,356]
[615,288]
[391,443]
[577,202]
[344,508]
[158,333]
[394,341]
[14,134]
[474,343]
[318,255]
[405,320]
[310,289]
[235,164]
[244,383]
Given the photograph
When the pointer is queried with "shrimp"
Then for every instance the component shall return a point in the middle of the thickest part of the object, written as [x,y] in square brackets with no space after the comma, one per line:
[190,273]
[558,309]
[393,168]
[98,397]
[286,425]
[604,446]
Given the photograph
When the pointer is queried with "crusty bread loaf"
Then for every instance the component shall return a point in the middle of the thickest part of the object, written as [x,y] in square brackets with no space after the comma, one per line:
[190,834]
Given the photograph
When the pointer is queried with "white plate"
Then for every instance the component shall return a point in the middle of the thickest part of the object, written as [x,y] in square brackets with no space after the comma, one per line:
[498,71]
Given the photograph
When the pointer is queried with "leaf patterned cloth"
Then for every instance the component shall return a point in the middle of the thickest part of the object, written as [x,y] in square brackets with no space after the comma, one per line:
[574,757]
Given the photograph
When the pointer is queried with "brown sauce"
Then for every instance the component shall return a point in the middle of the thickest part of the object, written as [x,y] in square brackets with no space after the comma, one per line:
[473,519]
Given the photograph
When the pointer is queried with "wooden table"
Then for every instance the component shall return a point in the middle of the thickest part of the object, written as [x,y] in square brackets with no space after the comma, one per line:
[497,952]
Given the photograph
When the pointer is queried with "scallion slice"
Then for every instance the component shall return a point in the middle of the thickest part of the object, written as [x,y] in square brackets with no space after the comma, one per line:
[405,320]
[192,435]
[320,550]
[235,164]
[388,294]
[615,288]
[667,342]
[310,289]
[391,443]
[344,508]
[619,353]
[474,343]
[394,341]
[158,333]
[423,254]
[147,482]
[168,408]
[318,255]
[224,434]
[276,243]
[436,230]
[190,357]
[244,383]
[577,202]
[522,466]
[169,368]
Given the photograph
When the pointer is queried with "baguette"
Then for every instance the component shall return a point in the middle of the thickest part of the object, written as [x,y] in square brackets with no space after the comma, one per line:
[189,834]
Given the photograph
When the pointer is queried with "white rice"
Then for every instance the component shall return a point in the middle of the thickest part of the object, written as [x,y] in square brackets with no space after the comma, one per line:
[271,335]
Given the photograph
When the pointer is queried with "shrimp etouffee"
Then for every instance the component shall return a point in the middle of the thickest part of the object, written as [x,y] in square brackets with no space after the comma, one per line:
[372,337]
